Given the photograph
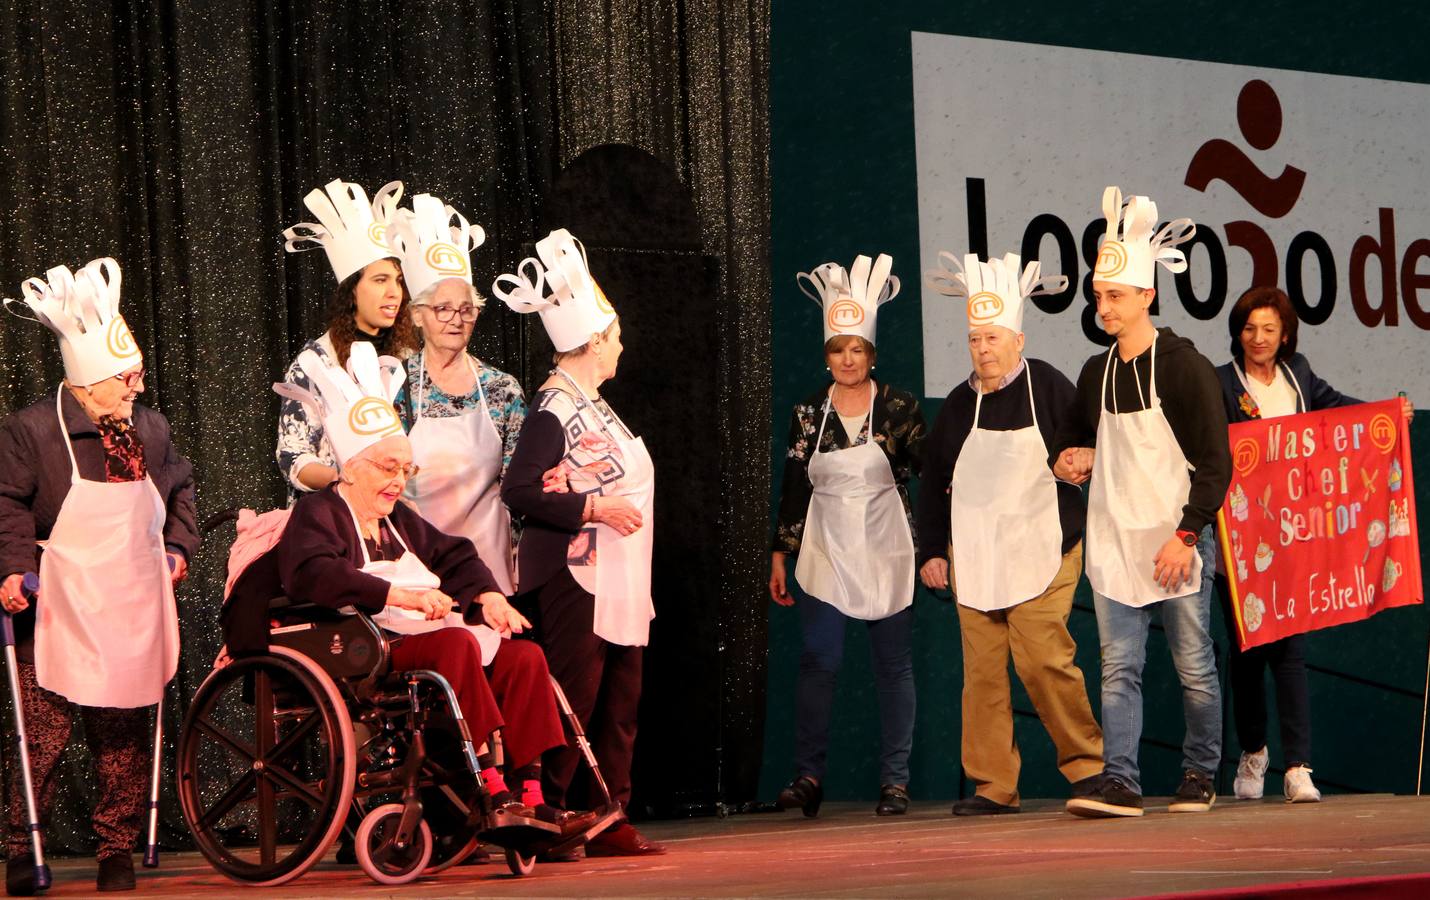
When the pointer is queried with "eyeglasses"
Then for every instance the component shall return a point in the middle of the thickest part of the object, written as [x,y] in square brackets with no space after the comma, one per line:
[132,379]
[392,470]
[445,314]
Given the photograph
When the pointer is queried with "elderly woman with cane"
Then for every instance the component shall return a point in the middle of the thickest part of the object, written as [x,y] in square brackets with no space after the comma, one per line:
[96,498]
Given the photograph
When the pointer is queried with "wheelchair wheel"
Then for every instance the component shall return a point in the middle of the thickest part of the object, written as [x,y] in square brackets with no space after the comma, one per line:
[520,865]
[266,767]
[381,858]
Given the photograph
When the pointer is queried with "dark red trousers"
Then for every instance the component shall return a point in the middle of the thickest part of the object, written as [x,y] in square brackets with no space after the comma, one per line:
[512,694]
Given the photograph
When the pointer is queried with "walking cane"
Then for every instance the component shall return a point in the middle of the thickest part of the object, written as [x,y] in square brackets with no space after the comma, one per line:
[151,849]
[28,586]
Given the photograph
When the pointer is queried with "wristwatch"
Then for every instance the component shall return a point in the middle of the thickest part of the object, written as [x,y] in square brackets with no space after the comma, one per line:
[1187,537]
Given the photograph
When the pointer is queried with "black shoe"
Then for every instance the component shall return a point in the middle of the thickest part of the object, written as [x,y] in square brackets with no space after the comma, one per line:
[347,850]
[981,806]
[893,800]
[1112,799]
[1086,787]
[116,873]
[1195,795]
[803,793]
[20,875]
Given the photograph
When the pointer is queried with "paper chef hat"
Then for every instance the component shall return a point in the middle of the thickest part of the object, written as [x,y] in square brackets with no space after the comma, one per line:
[851,299]
[83,310]
[355,406]
[559,286]
[430,246]
[350,230]
[1130,259]
[995,290]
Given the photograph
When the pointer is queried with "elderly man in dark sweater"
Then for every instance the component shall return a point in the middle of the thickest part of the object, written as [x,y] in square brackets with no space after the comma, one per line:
[988,501]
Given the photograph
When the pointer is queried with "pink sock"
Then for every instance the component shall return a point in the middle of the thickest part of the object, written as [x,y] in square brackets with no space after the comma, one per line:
[531,793]
[491,777]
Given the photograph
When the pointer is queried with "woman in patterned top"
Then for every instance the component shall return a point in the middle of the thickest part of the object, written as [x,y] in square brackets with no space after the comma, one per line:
[839,419]
[370,305]
[464,418]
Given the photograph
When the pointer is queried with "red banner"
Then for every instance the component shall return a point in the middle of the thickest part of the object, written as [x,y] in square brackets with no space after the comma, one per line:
[1319,527]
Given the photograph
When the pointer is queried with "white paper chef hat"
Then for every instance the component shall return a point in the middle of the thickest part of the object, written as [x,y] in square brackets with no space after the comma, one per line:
[82,309]
[851,299]
[355,406]
[1130,259]
[352,231]
[995,290]
[559,286]
[432,248]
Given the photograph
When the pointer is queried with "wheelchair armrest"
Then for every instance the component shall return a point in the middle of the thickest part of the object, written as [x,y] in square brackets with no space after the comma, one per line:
[350,648]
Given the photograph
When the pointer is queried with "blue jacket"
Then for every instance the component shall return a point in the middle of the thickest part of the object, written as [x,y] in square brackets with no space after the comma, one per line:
[1312,393]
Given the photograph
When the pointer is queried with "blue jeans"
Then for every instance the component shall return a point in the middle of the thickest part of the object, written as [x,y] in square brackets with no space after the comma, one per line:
[891,646]
[1123,631]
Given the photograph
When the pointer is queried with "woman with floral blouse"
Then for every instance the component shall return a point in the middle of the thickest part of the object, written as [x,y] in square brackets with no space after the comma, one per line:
[1265,378]
[839,419]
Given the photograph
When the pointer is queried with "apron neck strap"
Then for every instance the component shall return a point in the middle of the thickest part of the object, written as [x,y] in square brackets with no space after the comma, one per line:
[65,432]
[601,417]
[422,382]
[828,402]
[1152,378]
[362,541]
[1027,370]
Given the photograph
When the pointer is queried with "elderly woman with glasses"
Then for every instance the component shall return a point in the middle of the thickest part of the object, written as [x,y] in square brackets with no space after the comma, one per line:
[96,499]
[462,415]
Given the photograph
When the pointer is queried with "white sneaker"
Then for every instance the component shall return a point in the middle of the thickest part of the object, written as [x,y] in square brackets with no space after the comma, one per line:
[1298,787]
[1251,775]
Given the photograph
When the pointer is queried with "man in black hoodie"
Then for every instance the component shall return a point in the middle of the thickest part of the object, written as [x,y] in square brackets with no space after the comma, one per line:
[989,502]
[1148,427]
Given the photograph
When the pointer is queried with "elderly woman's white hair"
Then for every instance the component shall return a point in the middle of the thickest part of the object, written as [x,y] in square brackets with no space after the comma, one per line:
[425,298]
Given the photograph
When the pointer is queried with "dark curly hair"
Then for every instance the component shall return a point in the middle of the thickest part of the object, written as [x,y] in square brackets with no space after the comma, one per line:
[400,340]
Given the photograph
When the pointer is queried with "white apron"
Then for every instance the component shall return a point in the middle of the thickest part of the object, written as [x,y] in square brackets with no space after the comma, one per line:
[106,628]
[1140,482]
[1003,512]
[458,488]
[857,553]
[620,581]
[407,571]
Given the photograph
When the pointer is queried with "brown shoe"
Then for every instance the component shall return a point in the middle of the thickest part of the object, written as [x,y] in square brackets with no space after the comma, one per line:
[623,840]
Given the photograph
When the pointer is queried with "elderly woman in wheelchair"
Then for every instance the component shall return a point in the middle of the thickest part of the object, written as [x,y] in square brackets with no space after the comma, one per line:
[346,695]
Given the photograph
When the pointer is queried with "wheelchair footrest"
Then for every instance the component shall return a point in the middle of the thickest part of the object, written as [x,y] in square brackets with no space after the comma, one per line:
[607,817]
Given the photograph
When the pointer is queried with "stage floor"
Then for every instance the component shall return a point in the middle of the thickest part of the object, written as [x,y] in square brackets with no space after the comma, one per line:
[847,852]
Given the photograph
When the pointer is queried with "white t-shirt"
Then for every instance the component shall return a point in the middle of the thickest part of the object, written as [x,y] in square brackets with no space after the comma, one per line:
[1275,399]
[852,425]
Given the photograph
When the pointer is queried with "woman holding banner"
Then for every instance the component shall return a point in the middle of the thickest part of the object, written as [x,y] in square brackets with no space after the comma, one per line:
[1268,378]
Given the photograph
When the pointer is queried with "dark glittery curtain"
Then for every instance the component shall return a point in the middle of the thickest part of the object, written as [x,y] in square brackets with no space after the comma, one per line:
[179,137]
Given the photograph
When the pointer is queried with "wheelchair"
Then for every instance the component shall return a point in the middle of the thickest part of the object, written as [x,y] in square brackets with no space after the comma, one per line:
[282,751]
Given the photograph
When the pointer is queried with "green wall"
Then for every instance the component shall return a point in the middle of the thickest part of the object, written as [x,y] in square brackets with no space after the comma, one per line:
[844,182]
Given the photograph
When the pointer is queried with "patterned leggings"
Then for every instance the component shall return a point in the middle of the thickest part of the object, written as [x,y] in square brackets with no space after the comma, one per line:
[119,741]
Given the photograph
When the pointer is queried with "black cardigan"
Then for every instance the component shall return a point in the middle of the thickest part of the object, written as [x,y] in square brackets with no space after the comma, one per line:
[1003,410]
[318,560]
[35,480]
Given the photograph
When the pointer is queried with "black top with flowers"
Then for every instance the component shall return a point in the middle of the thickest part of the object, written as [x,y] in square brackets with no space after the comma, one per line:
[898,427]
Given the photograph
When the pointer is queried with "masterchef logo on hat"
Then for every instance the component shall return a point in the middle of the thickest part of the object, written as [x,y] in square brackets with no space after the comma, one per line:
[845,314]
[120,340]
[602,303]
[373,415]
[446,259]
[377,233]
[1111,260]
[984,307]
